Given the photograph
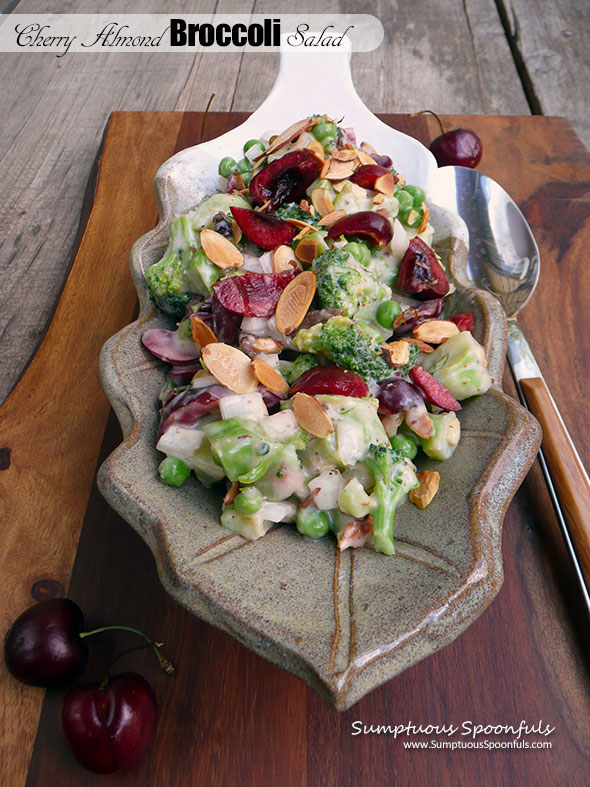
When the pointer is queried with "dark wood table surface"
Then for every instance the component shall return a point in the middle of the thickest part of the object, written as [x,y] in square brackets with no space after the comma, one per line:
[230,718]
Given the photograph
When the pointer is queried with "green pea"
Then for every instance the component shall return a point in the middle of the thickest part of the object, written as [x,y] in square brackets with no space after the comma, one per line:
[325,132]
[246,177]
[248,501]
[173,472]
[405,199]
[226,166]
[359,251]
[387,312]
[418,195]
[407,445]
[243,166]
[250,144]
[312,523]
[411,217]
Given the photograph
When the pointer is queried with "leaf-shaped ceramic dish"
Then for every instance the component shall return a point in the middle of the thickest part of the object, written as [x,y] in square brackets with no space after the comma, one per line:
[344,623]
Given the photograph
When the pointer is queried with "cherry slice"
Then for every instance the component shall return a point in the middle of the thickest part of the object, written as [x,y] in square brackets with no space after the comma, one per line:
[434,391]
[366,175]
[253,294]
[330,380]
[284,179]
[415,315]
[265,231]
[167,346]
[366,225]
[463,321]
[420,273]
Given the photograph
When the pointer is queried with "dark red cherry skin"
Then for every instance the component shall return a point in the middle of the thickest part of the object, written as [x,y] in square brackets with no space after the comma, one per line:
[415,315]
[420,274]
[366,225]
[285,179]
[265,231]
[366,175]
[43,646]
[113,727]
[463,321]
[252,294]
[434,391]
[399,396]
[330,380]
[461,147]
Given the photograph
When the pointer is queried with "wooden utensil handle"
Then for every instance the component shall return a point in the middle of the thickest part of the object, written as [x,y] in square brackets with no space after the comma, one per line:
[565,466]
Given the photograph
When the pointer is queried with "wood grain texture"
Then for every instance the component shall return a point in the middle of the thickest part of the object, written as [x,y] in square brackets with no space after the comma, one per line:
[567,472]
[230,718]
[52,424]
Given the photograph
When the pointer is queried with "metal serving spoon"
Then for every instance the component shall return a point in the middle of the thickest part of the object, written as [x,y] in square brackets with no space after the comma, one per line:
[504,259]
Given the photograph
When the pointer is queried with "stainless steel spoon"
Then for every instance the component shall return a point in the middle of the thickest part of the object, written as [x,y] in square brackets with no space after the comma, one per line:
[504,259]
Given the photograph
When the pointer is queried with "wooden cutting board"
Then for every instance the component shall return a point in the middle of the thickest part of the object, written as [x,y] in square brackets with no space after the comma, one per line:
[228,717]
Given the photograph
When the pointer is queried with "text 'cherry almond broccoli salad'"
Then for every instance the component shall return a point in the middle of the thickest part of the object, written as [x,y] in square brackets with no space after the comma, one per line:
[312,360]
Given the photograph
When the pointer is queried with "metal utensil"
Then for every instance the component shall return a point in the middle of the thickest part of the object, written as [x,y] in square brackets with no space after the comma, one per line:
[504,259]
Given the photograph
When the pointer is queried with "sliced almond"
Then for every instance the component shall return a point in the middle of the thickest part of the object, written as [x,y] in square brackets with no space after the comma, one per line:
[385,184]
[200,373]
[231,494]
[396,353]
[322,201]
[283,259]
[201,332]
[332,218]
[311,416]
[239,182]
[237,231]
[288,135]
[358,191]
[294,302]
[317,151]
[267,345]
[264,207]
[302,233]
[422,346]
[344,155]
[338,170]
[338,185]
[367,148]
[429,483]
[435,331]
[378,199]
[300,224]
[269,377]
[364,157]
[325,168]
[220,250]
[383,212]
[307,250]
[412,216]
[230,367]
[425,218]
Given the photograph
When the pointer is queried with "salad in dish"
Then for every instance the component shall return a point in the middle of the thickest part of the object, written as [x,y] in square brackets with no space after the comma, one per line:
[313,358]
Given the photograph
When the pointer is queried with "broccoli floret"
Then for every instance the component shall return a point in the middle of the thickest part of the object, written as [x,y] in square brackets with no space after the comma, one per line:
[414,352]
[297,367]
[344,283]
[352,344]
[165,280]
[394,477]
[292,211]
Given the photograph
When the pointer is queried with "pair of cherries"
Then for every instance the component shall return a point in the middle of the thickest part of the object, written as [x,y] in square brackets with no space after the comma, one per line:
[107,726]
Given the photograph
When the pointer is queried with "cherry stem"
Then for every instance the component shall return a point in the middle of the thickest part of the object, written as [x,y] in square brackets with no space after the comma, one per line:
[429,112]
[165,665]
[205,117]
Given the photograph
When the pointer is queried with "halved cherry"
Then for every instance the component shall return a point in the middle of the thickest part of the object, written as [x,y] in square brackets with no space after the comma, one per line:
[330,380]
[420,273]
[366,175]
[253,294]
[434,391]
[366,225]
[284,179]
[265,231]
[463,321]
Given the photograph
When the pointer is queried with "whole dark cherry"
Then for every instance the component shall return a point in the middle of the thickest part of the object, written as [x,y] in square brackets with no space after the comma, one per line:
[43,646]
[459,146]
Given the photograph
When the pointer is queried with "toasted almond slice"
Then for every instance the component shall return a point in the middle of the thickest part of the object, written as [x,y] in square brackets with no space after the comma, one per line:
[220,250]
[230,367]
[385,184]
[294,302]
[383,212]
[283,259]
[200,373]
[263,208]
[311,416]
[267,345]
[423,347]
[302,233]
[435,331]
[378,199]
[288,135]
[429,483]
[396,353]
[237,231]
[269,377]
[401,179]
[332,218]
[368,148]
[231,494]
[322,201]
[344,155]
[325,168]
[338,170]
[338,185]
[364,157]
[300,224]
[317,151]
[358,191]
[201,332]
[307,250]
[425,218]
[239,182]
